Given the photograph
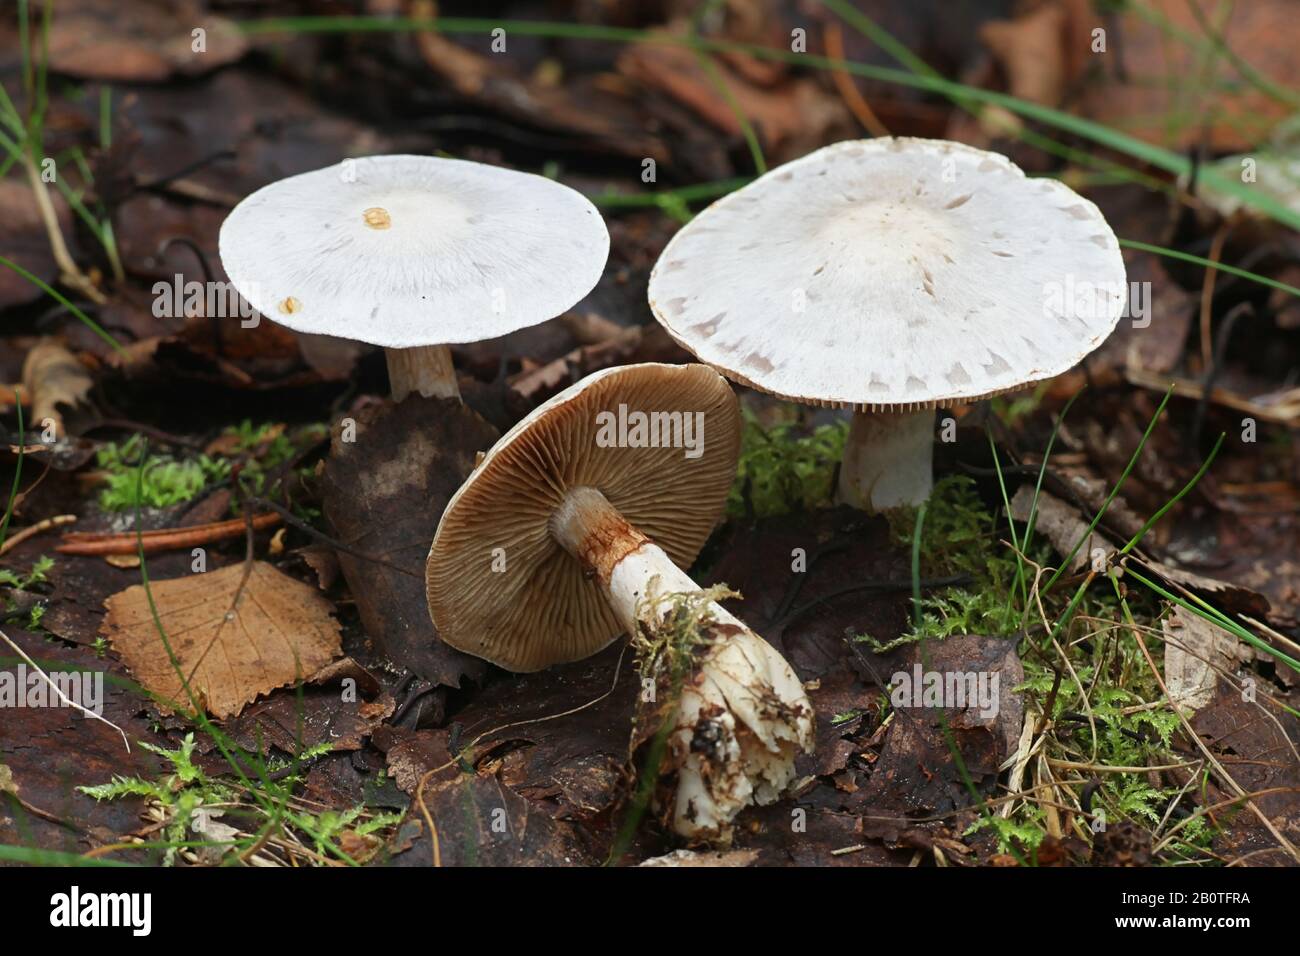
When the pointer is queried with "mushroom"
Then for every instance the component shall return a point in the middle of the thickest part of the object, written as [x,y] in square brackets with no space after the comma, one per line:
[586,511]
[892,276]
[414,253]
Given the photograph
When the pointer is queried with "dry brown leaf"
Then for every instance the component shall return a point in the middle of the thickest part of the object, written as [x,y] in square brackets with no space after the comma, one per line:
[1159,82]
[53,377]
[1030,51]
[280,630]
[1195,652]
[1060,523]
[146,42]
[791,119]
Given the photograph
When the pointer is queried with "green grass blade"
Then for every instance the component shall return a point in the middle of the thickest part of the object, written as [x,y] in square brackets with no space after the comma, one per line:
[1137,453]
[18,474]
[1098,133]
[1200,473]
[32,856]
[59,297]
[1210,264]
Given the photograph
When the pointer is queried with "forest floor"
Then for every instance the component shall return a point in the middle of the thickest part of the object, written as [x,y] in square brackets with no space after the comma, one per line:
[1120,545]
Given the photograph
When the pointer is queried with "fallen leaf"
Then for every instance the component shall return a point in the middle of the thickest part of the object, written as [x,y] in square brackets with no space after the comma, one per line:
[54,379]
[140,42]
[1255,739]
[1060,523]
[1030,51]
[916,773]
[50,751]
[384,493]
[279,631]
[294,722]
[792,119]
[582,109]
[1195,652]
[564,733]
[482,822]
[1159,79]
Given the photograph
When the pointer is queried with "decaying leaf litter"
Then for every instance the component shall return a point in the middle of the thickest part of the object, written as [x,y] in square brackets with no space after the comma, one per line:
[1145,709]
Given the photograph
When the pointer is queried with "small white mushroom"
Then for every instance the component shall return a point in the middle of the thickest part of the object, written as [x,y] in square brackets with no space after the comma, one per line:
[588,539]
[892,277]
[414,253]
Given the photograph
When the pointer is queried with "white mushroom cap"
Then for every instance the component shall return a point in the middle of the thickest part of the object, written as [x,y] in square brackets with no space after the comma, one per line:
[892,274]
[405,251]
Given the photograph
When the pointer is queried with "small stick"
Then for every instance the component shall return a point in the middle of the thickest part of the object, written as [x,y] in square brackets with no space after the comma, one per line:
[167,539]
[19,537]
[848,90]
[62,696]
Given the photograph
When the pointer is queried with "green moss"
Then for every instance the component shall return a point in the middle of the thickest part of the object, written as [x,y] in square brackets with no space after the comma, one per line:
[264,449]
[666,652]
[11,579]
[167,481]
[259,449]
[1024,832]
[187,788]
[785,468]
[959,537]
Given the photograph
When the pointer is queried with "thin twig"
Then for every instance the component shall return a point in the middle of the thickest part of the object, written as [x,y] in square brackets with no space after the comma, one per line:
[166,539]
[61,695]
[31,531]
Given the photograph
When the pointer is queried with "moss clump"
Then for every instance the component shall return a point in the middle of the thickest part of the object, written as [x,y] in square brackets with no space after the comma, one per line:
[166,481]
[959,537]
[666,651]
[782,469]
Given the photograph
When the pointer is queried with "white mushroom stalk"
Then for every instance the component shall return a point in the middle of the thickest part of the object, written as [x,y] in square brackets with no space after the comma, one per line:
[743,715]
[424,370]
[888,460]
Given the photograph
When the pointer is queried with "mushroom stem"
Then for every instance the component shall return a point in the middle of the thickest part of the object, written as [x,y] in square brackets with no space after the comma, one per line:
[888,460]
[424,369]
[743,715]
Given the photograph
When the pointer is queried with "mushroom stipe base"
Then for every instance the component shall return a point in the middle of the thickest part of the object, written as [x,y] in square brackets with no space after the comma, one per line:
[743,699]
[888,460]
[425,370]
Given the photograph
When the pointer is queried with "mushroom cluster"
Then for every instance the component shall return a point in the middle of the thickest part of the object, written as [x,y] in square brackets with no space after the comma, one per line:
[569,533]
[892,277]
[414,253]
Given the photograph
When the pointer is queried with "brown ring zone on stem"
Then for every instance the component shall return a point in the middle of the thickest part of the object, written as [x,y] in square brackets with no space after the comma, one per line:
[593,531]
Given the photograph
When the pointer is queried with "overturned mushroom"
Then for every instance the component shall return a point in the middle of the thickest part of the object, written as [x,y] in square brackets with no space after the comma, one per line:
[414,253]
[574,528]
[893,277]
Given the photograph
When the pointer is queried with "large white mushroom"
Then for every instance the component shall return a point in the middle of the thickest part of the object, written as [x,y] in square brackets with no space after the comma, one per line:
[414,253]
[892,277]
[574,528]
